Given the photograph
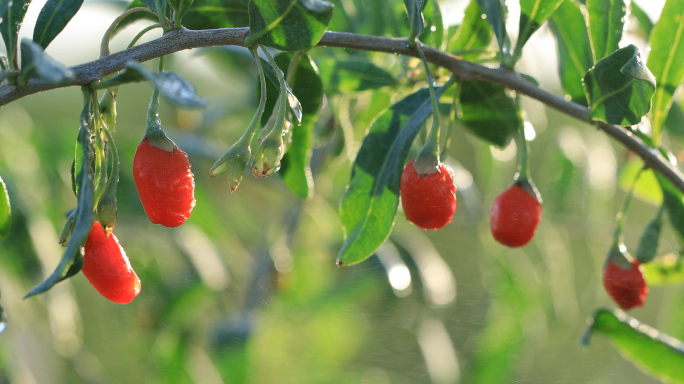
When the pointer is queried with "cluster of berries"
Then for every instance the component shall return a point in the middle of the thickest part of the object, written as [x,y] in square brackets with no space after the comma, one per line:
[429,202]
[166,188]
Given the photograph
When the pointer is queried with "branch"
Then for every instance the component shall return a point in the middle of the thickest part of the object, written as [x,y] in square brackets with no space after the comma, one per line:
[181,39]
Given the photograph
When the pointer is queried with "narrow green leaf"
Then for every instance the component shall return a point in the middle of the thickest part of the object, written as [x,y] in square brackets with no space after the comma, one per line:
[648,242]
[642,18]
[288,25]
[292,101]
[674,123]
[36,64]
[665,270]
[158,6]
[175,88]
[434,33]
[11,18]
[5,210]
[533,13]
[370,203]
[53,18]
[497,12]
[652,351]
[307,87]
[488,112]
[674,204]
[606,21]
[620,87]
[666,60]
[574,48]
[473,34]
[211,14]
[414,8]
[180,7]
[353,75]
[72,259]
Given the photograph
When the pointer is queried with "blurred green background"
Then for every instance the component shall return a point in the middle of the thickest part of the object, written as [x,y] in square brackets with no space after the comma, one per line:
[247,290]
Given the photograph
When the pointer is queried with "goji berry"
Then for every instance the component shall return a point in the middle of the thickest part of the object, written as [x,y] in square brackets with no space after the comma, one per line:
[165,182]
[515,215]
[429,201]
[625,283]
[107,267]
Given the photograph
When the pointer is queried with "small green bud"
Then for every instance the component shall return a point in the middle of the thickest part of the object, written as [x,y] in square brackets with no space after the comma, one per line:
[233,162]
[268,156]
[106,212]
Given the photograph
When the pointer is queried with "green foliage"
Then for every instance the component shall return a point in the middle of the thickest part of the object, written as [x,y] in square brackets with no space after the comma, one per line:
[648,242]
[606,20]
[211,14]
[473,34]
[533,13]
[53,18]
[657,353]
[12,15]
[620,87]
[353,75]
[5,210]
[574,49]
[370,203]
[35,64]
[665,61]
[308,88]
[289,25]
[497,13]
[489,112]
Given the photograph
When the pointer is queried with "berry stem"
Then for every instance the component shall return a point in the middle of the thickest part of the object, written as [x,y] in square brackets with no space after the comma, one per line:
[427,161]
[620,217]
[282,98]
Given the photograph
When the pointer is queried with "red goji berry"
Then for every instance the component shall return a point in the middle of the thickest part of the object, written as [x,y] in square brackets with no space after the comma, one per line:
[107,267]
[625,283]
[515,215]
[429,201]
[165,182]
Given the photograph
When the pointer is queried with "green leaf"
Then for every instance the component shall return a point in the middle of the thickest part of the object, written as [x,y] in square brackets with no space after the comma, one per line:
[648,242]
[574,48]
[674,204]
[135,16]
[642,18]
[353,75]
[292,101]
[652,351]
[620,87]
[473,34]
[307,86]
[36,64]
[666,60]
[212,14]
[606,21]
[497,12]
[370,203]
[674,123]
[5,210]
[158,6]
[489,112]
[434,33]
[180,7]
[414,8]
[288,25]
[53,18]
[533,13]
[72,259]
[175,88]
[11,19]
[665,270]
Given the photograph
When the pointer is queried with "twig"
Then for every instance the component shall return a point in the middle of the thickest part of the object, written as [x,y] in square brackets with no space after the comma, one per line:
[182,39]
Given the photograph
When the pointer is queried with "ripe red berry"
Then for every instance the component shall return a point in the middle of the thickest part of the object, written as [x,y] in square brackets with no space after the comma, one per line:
[166,185]
[429,201]
[107,267]
[515,215]
[625,283]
